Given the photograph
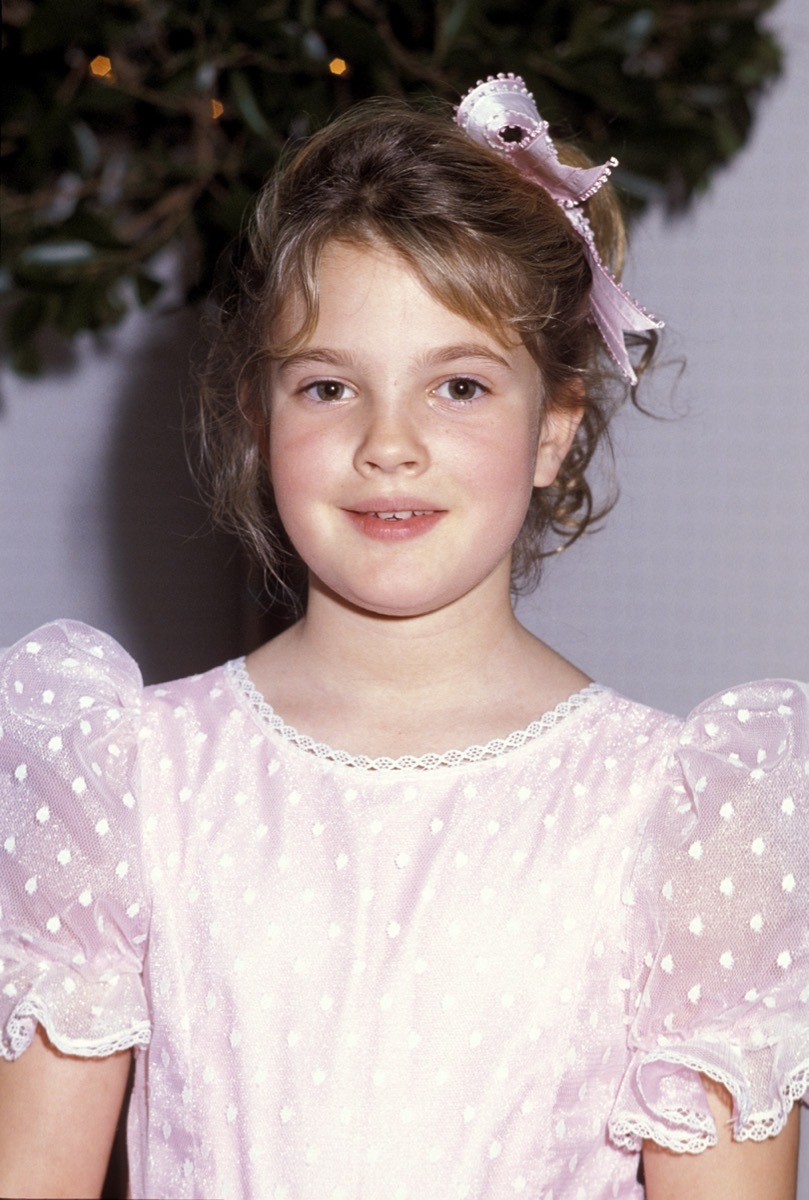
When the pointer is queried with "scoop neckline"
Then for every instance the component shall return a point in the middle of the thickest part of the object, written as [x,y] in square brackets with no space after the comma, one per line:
[270,721]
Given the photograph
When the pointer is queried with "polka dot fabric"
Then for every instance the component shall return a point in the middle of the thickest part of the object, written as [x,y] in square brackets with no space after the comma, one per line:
[74,916]
[721,955]
[481,976]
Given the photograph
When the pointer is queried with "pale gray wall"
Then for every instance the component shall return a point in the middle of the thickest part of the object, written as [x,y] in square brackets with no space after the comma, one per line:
[99,517]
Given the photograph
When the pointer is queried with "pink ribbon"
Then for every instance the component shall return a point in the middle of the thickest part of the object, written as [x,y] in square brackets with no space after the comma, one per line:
[501,114]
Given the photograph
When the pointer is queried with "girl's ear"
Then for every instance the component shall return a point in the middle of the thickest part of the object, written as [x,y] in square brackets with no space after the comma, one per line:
[556,434]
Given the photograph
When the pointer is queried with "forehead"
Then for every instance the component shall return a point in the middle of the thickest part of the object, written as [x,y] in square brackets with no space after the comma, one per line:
[363,288]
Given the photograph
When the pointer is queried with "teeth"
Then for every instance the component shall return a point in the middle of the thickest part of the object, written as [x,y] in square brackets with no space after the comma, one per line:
[401,516]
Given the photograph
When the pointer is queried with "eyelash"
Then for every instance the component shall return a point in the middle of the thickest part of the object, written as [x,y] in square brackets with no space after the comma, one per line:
[311,390]
[482,390]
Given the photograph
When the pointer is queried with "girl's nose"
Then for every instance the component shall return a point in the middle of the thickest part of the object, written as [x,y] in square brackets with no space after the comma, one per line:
[390,441]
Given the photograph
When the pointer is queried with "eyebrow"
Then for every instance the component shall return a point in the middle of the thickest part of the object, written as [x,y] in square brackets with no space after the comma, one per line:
[466,350]
[437,357]
[315,354]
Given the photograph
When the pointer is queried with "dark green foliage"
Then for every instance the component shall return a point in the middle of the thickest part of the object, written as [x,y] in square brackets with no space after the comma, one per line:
[101,173]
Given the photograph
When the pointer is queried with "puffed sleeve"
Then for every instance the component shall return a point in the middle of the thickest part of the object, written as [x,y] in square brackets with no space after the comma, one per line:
[719,927]
[73,911]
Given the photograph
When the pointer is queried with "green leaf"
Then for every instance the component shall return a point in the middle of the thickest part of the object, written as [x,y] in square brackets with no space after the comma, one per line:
[88,147]
[57,254]
[26,359]
[53,23]
[454,21]
[147,287]
[246,103]
[25,319]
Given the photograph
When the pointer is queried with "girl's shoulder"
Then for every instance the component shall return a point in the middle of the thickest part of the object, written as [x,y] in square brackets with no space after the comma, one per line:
[69,675]
[66,668]
[768,718]
[736,740]
[738,760]
[735,799]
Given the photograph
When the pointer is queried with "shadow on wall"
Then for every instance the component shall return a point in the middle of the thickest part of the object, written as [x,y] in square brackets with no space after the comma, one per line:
[178,584]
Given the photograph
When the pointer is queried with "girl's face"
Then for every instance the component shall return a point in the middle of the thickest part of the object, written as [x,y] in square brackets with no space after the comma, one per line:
[404,441]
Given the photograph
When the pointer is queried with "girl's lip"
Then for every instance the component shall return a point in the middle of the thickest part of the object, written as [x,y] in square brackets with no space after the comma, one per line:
[393,504]
[394,524]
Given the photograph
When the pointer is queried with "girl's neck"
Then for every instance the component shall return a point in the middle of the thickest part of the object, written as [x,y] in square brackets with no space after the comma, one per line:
[403,654]
[385,686]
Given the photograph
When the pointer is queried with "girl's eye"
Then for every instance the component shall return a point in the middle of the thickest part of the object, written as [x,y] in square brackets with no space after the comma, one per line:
[328,390]
[461,389]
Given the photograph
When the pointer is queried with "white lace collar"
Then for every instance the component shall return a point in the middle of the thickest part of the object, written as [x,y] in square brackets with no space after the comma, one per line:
[244,686]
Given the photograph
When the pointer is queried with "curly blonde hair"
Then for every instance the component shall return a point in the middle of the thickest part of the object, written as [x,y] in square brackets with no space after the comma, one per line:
[484,241]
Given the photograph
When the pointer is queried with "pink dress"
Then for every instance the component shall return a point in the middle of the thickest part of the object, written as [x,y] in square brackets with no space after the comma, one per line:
[484,974]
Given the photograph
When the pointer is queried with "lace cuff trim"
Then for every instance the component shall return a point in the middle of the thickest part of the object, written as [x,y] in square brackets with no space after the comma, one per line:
[686,1131]
[21,1027]
[243,684]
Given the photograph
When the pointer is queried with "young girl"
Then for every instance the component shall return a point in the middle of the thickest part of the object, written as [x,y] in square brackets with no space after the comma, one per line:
[404,905]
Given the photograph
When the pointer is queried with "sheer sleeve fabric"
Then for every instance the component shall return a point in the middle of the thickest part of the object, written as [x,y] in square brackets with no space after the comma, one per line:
[73,909]
[719,927]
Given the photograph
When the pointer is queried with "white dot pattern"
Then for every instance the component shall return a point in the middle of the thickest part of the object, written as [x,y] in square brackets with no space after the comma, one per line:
[484,974]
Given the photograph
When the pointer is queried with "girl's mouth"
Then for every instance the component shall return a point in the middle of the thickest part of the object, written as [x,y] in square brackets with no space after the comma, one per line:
[394,524]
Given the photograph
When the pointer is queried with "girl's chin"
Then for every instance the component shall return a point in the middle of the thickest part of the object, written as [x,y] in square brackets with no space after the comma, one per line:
[391,602]
[399,609]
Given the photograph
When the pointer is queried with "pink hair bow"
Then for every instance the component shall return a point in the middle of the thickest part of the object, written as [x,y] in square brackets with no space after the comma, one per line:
[501,114]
